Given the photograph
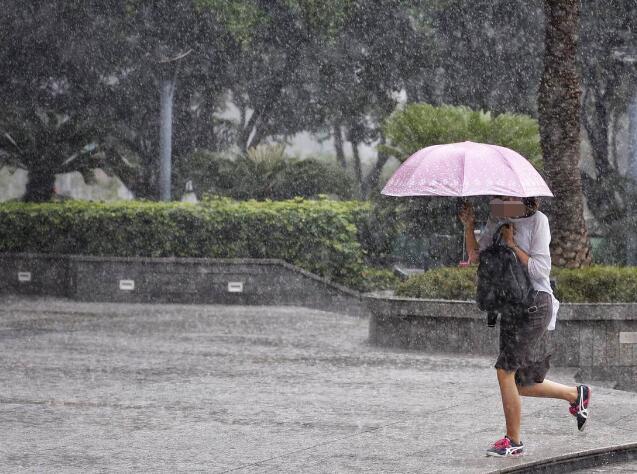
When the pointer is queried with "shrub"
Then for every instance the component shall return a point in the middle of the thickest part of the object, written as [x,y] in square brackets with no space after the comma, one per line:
[595,284]
[444,283]
[309,178]
[262,173]
[617,247]
[209,172]
[320,236]
[372,279]
[378,231]
[255,172]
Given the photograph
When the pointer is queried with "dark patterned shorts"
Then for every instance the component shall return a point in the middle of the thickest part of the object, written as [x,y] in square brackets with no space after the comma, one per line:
[523,341]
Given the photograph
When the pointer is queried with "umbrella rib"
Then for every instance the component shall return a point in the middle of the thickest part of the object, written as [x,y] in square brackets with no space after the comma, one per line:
[506,160]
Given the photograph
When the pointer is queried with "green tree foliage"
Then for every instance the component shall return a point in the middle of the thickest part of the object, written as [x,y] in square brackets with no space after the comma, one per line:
[182,43]
[46,143]
[420,125]
[609,81]
[484,55]
[329,67]
[99,62]
[53,87]
[317,66]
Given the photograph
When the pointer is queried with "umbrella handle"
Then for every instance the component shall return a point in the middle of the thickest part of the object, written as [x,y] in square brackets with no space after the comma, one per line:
[460,204]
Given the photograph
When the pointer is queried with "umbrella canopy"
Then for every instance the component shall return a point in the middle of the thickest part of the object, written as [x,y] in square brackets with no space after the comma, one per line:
[466,169]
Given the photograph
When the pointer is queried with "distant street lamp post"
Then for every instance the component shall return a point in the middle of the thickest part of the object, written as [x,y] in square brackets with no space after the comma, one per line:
[167,91]
[167,84]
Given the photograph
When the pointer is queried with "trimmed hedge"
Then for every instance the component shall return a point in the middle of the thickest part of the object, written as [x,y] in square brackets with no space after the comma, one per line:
[595,284]
[319,236]
[372,278]
[449,283]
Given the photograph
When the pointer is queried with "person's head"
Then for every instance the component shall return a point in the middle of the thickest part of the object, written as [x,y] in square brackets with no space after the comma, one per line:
[532,204]
[512,206]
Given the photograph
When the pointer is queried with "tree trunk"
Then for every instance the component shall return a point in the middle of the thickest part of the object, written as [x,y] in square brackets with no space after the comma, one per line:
[167,91]
[358,172]
[374,176]
[559,120]
[338,145]
[41,185]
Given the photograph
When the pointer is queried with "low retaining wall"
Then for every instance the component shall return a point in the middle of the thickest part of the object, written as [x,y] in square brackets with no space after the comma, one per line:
[174,280]
[599,339]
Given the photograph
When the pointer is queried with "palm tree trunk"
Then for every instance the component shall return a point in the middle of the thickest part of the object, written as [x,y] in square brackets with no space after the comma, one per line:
[559,119]
[41,184]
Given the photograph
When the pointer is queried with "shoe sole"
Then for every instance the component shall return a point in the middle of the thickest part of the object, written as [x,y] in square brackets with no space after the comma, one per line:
[495,455]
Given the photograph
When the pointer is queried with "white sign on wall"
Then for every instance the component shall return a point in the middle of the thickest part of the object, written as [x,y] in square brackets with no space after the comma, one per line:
[127,285]
[24,277]
[628,337]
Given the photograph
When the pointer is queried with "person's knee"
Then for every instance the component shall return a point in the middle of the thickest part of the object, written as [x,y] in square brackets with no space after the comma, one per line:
[500,371]
[504,374]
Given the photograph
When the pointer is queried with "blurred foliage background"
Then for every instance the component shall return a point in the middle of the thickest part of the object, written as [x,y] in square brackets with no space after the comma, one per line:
[80,90]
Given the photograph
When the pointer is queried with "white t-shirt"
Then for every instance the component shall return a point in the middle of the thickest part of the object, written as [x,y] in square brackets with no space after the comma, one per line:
[533,236]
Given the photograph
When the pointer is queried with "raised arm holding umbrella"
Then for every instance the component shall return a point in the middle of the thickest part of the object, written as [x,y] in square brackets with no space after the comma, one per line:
[477,169]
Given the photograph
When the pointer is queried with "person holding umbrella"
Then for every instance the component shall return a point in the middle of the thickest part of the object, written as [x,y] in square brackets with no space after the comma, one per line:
[523,362]
[481,169]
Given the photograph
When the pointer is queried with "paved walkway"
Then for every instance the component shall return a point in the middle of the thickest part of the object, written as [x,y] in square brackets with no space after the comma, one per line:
[114,387]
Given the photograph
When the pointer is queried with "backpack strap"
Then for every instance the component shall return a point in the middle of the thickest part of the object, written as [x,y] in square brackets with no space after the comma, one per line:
[497,235]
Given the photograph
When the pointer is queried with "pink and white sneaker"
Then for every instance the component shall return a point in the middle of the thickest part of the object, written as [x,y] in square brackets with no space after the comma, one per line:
[579,409]
[506,448]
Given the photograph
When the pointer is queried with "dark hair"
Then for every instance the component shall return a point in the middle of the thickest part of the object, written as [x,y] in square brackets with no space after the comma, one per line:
[532,204]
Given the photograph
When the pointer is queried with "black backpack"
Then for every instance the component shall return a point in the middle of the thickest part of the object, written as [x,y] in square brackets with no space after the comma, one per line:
[503,283]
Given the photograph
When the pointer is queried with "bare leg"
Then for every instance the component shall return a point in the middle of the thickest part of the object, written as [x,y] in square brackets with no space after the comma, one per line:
[511,403]
[548,389]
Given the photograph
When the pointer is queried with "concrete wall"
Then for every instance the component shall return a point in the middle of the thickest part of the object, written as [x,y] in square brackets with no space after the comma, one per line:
[599,339]
[42,275]
[174,280]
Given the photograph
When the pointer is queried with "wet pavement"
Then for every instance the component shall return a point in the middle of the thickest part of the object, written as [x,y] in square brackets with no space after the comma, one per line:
[120,387]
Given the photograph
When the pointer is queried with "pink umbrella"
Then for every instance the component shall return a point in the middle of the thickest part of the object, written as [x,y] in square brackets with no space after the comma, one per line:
[466,169]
